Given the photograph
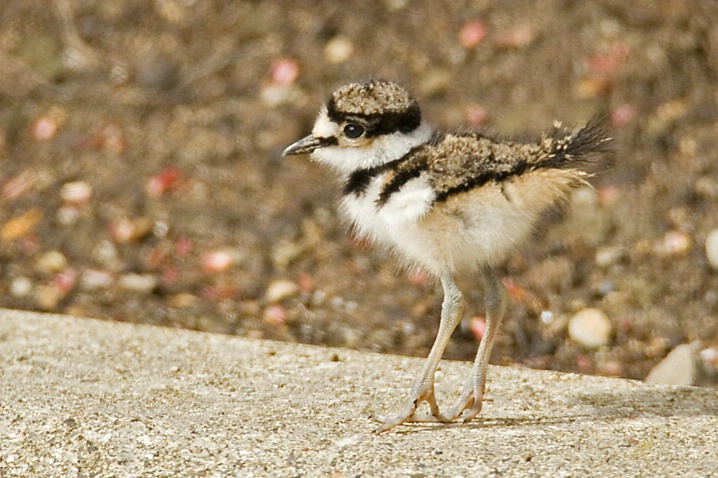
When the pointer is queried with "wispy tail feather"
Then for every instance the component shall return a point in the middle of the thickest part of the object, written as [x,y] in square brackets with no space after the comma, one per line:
[565,148]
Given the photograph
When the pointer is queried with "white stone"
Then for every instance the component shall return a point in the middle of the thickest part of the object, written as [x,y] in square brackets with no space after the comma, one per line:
[77,192]
[279,290]
[143,283]
[590,328]
[93,279]
[51,262]
[20,287]
[678,367]
[712,248]
[338,50]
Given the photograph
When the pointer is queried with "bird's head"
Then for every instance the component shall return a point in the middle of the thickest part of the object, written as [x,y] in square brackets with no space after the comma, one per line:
[364,125]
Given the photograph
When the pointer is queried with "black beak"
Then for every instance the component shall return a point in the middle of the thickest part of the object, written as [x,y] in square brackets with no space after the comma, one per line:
[308,144]
[304,145]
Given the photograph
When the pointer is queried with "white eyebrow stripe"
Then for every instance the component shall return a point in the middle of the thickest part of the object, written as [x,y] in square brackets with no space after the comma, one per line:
[324,127]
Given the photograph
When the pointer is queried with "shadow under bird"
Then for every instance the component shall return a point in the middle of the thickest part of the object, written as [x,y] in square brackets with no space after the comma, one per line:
[447,203]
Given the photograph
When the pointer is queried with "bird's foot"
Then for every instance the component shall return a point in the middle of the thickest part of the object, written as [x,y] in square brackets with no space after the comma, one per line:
[468,406]
[466,409]
[409,414]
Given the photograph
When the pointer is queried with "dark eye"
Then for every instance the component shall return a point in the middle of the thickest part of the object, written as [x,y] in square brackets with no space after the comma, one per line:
[353,131]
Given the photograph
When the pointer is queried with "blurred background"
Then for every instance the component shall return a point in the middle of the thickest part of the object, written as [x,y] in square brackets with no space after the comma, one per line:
[141,177]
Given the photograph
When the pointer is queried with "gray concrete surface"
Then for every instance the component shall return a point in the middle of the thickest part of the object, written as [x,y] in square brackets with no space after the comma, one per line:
[85,398]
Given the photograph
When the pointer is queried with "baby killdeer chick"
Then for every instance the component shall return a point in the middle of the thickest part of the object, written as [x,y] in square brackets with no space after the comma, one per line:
[447,203]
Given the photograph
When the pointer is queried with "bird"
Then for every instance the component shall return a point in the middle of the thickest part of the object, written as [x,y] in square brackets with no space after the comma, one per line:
[447,203]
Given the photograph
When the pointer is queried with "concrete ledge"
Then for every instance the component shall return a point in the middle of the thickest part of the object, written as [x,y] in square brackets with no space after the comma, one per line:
[87,398]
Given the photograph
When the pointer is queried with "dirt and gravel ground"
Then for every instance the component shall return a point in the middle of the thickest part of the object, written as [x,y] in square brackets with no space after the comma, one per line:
[141,177]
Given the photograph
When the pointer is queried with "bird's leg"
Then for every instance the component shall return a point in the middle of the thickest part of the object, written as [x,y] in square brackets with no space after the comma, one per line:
[452,309]
[469,404]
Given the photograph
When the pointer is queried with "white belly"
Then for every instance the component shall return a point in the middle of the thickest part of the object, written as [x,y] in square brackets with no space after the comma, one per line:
[464,233]
[381,222]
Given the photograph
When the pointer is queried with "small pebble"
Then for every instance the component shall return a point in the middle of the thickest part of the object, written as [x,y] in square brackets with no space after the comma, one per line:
[20,287]
[51,262]
[275,315]
[319,297]
[712,248]
[280,290]
[605,287]
[707,187]
[164,181]
[523,295]
[106,254]
[610,368]
[183,246]
[183,300]
[472,34]
[285,252]
[547,317]
[396,5]
[121,231]
[142,283]
[67,215]
[21,225]
[284,72]
[173,12]
[160,229]
[477,327]
[622,115]
[306,282]
[610,62]
[44,128]
[48,296]
[609,195]
[66,280]
[673,243]
[76,192]
[709,362]
[709,355]
[112,139]
[609,255]
[516,38]
[584,364]
[221,292]
[591,87]
[18,186]
[276,95]
[250,308]
[93,279]
[419,278]
[124,231]
[338,50]
[678,368]
[217,261]
[590,328]
[661,120]
[476,115]
[170,275]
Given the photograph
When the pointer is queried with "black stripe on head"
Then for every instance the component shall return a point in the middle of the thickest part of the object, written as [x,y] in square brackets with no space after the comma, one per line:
[328,141]
[377,124]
